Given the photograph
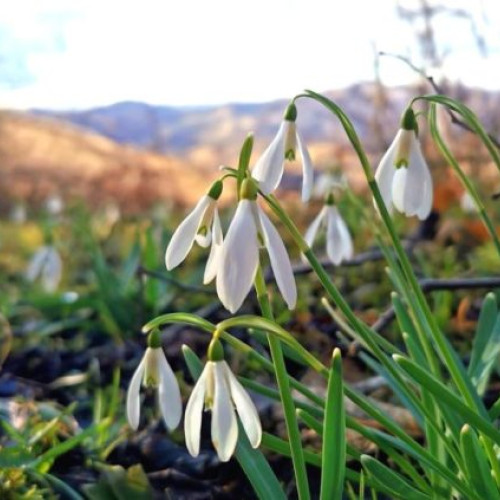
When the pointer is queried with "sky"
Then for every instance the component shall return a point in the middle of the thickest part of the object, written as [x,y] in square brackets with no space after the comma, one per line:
[75,54]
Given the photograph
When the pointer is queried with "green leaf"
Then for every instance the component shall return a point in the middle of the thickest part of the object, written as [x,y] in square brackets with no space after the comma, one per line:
[443,396]
[476,464]
[15,456]
[252,461]
[390,482]
[63,447]
[128,272]
[486,345]
[116,483]
[334,440]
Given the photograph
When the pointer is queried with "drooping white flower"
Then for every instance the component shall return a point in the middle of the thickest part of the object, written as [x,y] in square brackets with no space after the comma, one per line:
[250,230]
[54,204]
[45,264]
[403,176]
[219,390]
[338,239]
[328,181]
[203,226]
[154,371]
[270,166]
[467,203]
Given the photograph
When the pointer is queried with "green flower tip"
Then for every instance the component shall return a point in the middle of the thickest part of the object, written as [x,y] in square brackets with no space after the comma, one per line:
[465,429]
[336,355]
[215,350]
[408,120]
[154,339]
[248,143]
[248,190]
[215,190]
[330,199]
[290,114]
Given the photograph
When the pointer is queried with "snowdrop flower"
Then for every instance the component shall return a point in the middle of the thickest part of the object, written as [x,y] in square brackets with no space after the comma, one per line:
[269,168]
[338,240]
[203,226]
[326,182]
[154,371]
[45,264]
[250,230]
[218,390]
[467,203]
[403,176]
[54,205]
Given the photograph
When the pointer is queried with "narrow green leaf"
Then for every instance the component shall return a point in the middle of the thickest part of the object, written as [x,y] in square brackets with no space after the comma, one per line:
[477,466]
[443,396]
[334,442]
[390,482]
[485,324]
[486,345]
[66,445]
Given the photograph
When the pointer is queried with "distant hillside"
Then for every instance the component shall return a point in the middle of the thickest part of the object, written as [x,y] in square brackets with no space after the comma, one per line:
[209,136]
[137,154]
[40,157]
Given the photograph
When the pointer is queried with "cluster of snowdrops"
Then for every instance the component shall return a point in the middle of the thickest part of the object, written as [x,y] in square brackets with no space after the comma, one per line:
[404,182]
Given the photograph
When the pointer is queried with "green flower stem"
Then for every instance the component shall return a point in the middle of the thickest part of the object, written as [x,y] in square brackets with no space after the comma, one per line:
[358,399]
[449,358]
[365,332]
[285,392]
[471,119]
[438,139]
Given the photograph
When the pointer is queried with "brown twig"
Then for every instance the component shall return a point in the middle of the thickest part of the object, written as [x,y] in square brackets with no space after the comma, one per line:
[432,285]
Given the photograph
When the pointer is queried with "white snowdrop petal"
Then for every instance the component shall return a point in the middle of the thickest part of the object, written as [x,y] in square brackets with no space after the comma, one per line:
[280,262]
[399,189]
[269,167]
[420,178]
[194,411]
[246,409]
[345,238]
[307,170]
[239,258]
[224,424]
[385,172]
[36,263]
[333,236]
[51,272]
[313,229]
[184,236]
[214,257]
[169,395]
[133,397]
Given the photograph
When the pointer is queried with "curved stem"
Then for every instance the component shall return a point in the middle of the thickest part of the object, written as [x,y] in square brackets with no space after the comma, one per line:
[449,357]
[469,187]
[285,392]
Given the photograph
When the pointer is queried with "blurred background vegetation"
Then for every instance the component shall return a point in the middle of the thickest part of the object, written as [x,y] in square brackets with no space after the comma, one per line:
[106,184]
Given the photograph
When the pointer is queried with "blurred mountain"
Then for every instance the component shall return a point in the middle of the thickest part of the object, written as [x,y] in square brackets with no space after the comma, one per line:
[204,133]
[212,135]
[135,153]
[42,157]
